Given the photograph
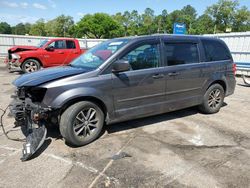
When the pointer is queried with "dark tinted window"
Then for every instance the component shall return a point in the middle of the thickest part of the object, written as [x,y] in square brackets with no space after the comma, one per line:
[59,44]
[181,53]
[70,44]
[215,51]
[143,57]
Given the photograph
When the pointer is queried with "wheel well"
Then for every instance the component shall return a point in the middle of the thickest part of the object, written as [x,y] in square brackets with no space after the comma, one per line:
[34,59]
[222,83]
[91,99]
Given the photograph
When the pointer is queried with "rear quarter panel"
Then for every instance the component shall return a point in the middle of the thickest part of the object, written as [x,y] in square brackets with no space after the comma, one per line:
[219,71]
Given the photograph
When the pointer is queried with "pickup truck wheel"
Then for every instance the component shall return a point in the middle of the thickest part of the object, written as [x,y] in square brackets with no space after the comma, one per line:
[30,65]
[213,99]
[81,123]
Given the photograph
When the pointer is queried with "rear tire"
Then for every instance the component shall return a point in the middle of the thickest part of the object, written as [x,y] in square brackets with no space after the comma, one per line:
[30,65]
[213,99]
[81,123]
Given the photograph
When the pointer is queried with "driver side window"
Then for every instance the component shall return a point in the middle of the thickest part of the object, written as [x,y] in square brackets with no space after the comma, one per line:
[143,57]
[59,44]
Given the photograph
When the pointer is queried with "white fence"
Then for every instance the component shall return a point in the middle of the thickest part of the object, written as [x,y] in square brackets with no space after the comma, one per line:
[239,45]
[7,41]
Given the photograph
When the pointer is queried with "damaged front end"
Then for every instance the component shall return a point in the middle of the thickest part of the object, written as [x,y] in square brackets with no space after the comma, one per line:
[31,116]
[12,61]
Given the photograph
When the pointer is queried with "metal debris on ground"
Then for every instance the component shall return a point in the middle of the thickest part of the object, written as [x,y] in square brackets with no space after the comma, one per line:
[120,156]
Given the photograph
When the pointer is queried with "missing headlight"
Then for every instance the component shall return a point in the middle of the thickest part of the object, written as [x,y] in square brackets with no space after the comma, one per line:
[21,93]
[36,94]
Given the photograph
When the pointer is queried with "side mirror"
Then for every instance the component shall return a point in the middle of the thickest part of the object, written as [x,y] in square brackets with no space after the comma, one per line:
[121,66]
[50,48]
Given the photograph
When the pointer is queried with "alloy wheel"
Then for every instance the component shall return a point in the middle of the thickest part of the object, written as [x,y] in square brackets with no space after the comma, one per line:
[214,98]
[30,66]
[86,122]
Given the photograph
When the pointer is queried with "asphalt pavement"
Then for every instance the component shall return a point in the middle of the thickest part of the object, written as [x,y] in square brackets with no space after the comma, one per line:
[178,149]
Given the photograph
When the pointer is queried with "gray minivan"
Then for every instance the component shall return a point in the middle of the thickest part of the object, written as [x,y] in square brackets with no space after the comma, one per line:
[123,79]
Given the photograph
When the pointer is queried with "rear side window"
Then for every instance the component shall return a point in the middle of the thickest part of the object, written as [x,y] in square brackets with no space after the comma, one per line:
[215,51]
[181,53]
[70,44]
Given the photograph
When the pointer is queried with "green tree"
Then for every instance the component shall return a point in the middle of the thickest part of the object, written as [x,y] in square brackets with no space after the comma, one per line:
[223,13]
[135,23]
[176,16]
[38,28]
[5,28]
[99,25]
[49,28]
[241,20]
[73,31]
[60,26]
[27,27]
[189,11]
[123,20]
[186,15]
[189,16]
[126,21]
[166,22]
[148,24]
[203,25]
[19,29]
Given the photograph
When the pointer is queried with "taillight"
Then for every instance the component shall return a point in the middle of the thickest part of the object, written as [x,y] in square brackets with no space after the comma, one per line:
[234,68]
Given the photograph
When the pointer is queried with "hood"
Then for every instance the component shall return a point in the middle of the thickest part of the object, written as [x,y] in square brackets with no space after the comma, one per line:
[21,48]
[46,75]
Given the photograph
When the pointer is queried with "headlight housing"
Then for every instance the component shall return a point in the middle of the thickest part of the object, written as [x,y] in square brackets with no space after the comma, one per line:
[15,56]
[36,94]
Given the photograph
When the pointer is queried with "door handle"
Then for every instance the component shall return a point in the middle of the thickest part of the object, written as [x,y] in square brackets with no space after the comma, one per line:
[61,52]
[75,52]
[158,76]
[173,73]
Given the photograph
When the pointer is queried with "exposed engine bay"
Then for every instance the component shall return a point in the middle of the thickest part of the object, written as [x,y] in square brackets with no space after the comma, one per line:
[31,117]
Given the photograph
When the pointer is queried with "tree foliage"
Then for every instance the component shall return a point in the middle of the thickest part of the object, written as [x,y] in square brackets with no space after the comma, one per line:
[217,18]
[38,28]
[223,14]
[19,29]
[60,26]
[5,28]
[241,20]
[99,25]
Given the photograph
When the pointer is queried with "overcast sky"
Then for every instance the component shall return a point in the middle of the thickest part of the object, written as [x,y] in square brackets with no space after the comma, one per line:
[14,11]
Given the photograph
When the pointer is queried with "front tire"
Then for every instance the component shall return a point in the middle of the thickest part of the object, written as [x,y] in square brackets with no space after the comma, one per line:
[213,99]
[30,65]
[81,123]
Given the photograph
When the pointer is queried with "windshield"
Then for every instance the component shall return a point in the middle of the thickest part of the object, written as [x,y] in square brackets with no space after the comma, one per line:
[42,43]
[97,55]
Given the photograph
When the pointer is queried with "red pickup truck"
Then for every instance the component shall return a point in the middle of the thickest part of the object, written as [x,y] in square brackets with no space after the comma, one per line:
[50,52]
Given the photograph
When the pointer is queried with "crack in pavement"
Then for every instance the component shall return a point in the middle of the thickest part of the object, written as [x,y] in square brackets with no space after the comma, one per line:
[66,175]
[110,163]
[65,160]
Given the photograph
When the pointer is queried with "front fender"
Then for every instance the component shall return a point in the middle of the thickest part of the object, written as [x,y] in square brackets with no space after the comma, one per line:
[63,98]
[29,55]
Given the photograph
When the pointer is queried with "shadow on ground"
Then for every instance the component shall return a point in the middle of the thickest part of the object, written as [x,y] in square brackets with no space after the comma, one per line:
[132,124]
[53,131]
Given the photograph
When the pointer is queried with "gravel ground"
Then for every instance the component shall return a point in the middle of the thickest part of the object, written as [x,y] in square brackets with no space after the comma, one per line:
[177,149]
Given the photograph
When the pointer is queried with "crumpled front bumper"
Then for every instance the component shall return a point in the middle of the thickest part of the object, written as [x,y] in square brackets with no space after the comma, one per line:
[13,64]
[31,117]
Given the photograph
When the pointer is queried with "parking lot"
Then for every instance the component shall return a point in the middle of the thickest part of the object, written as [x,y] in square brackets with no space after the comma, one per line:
[177,149]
